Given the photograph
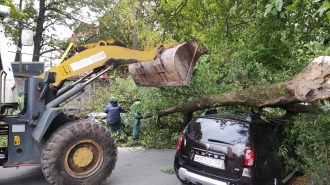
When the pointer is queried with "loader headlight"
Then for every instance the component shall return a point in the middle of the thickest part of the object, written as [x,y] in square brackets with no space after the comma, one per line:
[4,10]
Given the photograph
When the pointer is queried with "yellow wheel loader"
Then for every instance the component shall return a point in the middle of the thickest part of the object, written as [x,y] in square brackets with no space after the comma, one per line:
[74,151]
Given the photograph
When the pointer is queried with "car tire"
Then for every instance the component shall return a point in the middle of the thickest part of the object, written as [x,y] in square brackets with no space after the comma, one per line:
[79,152]
[182,181]
[276,180]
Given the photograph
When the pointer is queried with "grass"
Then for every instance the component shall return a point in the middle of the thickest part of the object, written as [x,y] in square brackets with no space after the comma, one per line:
[168,170]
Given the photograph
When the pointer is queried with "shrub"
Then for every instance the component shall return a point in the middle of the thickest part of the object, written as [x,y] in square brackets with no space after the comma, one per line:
[307,145]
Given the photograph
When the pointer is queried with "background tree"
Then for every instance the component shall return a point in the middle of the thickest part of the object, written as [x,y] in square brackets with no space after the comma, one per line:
[15,14]
[46,18]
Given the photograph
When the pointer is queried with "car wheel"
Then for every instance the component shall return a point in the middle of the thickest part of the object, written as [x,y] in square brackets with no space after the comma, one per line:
[80,152]
[276,180]
[182,181]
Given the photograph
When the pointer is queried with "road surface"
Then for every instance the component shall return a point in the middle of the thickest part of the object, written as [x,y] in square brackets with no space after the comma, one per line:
[135,166]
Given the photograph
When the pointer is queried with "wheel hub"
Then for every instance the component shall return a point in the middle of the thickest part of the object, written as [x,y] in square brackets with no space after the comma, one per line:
[82,157]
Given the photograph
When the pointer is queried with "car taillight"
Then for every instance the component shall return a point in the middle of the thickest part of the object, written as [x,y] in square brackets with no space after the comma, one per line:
[249,156]
[179,146]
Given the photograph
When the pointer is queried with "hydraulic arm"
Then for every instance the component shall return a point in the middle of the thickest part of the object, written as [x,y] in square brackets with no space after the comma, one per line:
[158,66]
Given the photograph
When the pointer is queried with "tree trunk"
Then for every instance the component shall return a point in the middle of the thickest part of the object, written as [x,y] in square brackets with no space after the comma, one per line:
[311,84]
[19,42]
[136,39]
[39,31]
[256,97]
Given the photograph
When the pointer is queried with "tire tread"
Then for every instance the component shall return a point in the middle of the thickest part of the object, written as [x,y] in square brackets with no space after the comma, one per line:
[77,130]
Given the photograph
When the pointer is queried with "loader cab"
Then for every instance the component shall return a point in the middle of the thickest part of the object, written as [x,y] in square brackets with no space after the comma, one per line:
[8,97]
[4,11]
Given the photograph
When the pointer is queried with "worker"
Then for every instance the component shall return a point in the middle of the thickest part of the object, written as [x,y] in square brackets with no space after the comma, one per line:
[136,109]
[113,110]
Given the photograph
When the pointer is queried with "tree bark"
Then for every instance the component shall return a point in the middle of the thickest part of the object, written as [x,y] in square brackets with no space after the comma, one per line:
[39,31]
[135,39]
[311,84]
[19,42]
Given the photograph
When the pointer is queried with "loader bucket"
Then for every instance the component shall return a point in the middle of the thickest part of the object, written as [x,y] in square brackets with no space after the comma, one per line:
[172,67]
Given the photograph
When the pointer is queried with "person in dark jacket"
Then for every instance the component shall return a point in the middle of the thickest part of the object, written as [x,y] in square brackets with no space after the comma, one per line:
[113,110]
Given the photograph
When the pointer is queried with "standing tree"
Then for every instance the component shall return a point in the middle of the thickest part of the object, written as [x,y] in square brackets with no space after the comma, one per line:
[46,18]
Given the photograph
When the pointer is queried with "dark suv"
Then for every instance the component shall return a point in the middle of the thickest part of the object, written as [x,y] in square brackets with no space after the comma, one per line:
[228,150]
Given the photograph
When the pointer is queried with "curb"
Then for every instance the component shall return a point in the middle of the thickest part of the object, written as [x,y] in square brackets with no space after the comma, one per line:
[288,177]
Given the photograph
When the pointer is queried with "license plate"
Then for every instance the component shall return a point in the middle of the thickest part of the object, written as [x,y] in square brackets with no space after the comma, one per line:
[217,163]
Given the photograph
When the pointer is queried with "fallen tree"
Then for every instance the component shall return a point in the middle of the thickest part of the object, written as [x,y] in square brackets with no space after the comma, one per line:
[311,84]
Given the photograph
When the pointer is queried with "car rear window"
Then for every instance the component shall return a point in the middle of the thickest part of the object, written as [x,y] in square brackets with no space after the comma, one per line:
[218,130]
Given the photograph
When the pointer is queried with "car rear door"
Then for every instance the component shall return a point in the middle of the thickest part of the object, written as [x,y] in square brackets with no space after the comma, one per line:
[216,146]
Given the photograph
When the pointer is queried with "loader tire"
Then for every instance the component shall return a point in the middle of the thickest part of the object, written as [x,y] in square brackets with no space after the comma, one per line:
[80,152]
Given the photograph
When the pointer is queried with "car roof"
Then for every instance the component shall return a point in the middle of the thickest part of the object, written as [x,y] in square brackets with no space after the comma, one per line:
[250,118]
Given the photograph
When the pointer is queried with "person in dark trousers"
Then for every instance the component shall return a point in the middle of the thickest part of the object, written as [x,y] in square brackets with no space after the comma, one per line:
[113,110]
[135,109]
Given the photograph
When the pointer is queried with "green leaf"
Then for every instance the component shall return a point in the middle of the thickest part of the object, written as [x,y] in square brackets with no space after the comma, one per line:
[327,4]
[293,6]
[269,8]
[321,10]
[279,5]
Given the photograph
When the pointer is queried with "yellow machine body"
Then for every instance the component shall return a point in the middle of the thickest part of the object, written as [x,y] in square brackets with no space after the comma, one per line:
[152,67]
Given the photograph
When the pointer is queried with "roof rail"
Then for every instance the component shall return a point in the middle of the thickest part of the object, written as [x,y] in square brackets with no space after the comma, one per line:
[213,111]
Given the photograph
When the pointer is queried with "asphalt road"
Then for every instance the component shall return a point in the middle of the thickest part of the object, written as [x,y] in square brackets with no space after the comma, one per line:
[135,166]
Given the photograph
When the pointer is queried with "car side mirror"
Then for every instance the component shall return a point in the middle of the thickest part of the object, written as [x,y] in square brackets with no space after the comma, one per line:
[27,37]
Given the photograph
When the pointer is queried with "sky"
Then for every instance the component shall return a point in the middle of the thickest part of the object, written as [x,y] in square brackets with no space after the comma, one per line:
[61,31]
